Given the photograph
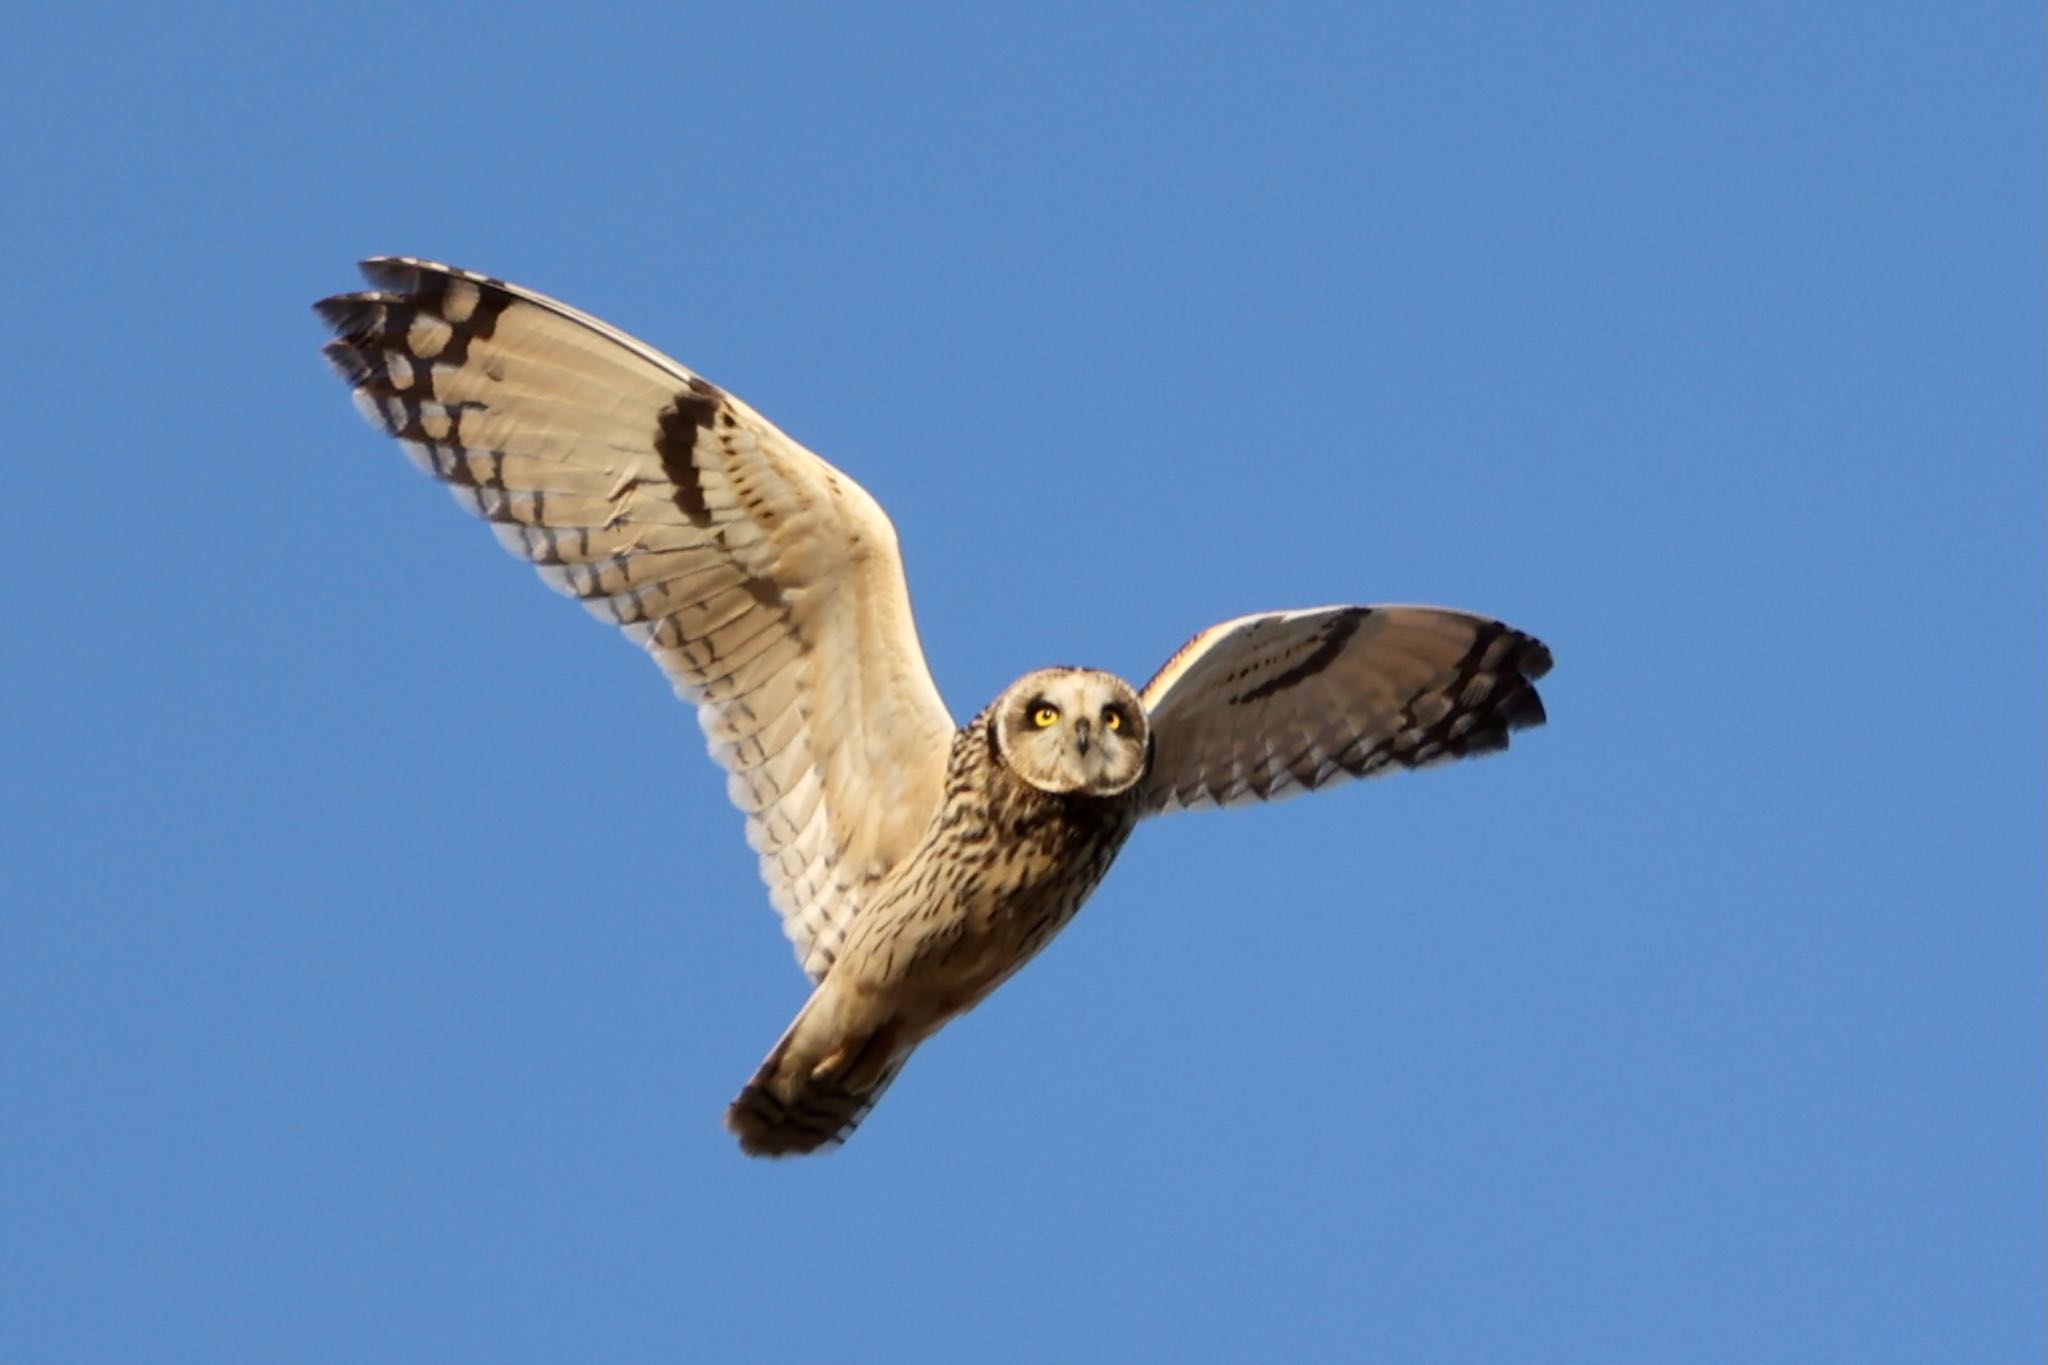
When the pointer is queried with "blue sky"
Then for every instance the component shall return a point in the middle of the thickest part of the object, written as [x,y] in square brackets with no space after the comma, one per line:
[379,950]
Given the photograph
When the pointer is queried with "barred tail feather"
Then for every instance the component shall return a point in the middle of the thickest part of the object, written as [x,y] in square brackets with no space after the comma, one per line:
[790,1110]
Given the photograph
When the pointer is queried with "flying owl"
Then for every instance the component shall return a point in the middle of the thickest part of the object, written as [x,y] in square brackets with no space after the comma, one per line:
[916,864]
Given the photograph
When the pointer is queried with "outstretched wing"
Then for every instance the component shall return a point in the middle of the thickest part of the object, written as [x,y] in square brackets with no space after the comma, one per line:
[1283,702]
[765,583]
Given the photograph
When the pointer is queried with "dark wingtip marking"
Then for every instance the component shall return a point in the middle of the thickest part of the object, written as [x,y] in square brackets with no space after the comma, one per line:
[1524,710]
[343,358]
[1528,659]
[371,324]
[1514,704]
[402,273]
[345,313]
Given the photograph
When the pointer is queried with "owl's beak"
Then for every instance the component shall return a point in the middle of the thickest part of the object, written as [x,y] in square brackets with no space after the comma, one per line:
[1081,740]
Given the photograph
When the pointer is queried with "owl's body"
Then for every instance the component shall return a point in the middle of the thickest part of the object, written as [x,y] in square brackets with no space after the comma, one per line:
[915,865]
[1003,867]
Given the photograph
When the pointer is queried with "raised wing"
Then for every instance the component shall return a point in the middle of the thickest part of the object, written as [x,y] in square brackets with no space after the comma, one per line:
[1284,702]
[764,582]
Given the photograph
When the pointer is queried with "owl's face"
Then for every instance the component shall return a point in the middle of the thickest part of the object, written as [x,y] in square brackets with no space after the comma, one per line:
[1072,730]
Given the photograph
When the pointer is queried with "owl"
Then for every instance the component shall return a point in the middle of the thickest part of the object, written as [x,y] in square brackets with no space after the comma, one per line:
[915,864]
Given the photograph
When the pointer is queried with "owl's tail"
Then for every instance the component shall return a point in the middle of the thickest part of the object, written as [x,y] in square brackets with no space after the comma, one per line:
[799,1102]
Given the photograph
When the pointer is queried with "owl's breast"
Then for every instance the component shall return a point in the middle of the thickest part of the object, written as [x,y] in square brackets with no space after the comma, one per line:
[1062,845]
[1001,871]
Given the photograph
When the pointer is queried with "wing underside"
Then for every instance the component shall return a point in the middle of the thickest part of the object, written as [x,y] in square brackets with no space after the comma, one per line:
[766,584]
[1274,704]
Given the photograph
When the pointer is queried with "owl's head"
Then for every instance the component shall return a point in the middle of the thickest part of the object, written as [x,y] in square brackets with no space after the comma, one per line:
[1072,730]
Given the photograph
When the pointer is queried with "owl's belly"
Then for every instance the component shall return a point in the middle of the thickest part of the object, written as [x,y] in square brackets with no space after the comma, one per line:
[936,944]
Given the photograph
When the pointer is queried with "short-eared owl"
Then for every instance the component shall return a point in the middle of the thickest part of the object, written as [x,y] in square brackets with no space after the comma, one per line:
[915,864]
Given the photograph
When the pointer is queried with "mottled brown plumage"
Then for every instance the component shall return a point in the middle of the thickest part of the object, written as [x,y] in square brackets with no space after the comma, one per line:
[1003,868]
[915,866]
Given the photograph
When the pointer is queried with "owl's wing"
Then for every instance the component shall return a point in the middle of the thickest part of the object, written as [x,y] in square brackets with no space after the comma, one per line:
[766,584]
[1284,702]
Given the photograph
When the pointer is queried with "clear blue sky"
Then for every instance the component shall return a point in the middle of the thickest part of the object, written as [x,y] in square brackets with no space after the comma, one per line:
[379,950]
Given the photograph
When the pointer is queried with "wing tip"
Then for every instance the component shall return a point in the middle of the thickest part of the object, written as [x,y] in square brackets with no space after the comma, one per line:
[1522,710]
[347,362]
[1535,658]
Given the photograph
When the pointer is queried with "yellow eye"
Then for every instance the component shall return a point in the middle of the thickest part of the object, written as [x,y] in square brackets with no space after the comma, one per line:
[1112,721]
[1044,716]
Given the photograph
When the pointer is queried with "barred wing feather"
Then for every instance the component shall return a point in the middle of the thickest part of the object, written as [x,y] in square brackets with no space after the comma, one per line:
[1279,703]
[766,584]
